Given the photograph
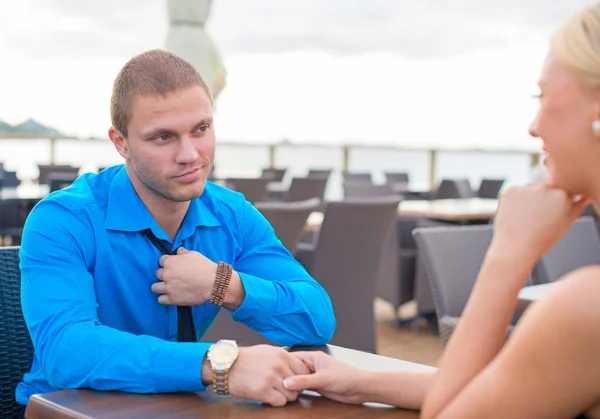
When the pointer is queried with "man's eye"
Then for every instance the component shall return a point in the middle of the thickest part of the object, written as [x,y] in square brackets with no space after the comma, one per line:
[202,128]
[162,138]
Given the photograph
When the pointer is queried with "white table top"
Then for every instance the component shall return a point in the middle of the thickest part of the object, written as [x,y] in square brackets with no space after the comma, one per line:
[442,209]
[450,209]
[533,293]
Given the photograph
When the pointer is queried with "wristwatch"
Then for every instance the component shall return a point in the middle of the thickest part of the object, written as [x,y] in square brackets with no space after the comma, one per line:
[221,356]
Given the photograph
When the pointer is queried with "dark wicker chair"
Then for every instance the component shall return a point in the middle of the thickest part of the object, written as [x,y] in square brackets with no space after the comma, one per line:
[16,350]
[13,213]
[10,180]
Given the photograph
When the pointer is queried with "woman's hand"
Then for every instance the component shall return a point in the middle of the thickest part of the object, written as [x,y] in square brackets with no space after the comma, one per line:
[329,377]
[531,219]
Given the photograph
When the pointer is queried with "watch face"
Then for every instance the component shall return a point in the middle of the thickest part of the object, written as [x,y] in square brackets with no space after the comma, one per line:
[223,353]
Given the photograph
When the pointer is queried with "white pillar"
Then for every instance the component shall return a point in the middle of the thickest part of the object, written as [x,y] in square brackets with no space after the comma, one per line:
[188,39]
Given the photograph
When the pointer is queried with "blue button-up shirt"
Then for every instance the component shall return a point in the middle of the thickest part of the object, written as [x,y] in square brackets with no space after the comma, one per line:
[86,276]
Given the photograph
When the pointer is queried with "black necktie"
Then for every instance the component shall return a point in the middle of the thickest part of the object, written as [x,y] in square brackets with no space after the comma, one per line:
[186,331]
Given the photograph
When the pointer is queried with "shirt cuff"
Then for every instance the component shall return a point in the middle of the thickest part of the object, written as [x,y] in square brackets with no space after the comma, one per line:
[178,367]
[258,301]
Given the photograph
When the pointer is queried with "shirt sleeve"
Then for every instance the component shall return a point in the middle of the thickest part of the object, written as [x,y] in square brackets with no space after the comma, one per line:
[283,302]
[59,305]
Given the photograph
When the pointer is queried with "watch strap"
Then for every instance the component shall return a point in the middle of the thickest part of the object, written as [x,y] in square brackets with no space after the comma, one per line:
[221,380]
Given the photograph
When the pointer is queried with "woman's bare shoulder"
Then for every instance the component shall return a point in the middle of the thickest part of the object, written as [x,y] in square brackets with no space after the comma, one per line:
[577,293]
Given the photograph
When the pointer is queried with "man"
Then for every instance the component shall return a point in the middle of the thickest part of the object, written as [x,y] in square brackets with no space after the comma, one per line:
[106,307]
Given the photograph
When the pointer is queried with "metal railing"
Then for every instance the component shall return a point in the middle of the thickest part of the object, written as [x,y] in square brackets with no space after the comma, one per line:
[346,150]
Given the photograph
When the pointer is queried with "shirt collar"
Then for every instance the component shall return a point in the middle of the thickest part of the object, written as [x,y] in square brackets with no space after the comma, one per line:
[126,212]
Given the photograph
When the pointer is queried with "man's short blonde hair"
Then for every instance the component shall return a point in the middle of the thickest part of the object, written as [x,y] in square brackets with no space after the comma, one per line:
[154,72]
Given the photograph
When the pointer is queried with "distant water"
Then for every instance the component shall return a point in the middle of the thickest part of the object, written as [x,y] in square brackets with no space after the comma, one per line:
[23,156]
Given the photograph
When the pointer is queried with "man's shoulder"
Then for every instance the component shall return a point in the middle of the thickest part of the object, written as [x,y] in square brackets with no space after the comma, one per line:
[88,192]
[218,197]
[69,216]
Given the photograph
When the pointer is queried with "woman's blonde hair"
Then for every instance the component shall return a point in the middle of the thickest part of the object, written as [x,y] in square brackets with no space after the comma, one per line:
[577,44]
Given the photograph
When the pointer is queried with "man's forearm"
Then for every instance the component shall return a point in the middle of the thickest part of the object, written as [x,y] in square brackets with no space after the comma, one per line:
[288,312]
[153,365]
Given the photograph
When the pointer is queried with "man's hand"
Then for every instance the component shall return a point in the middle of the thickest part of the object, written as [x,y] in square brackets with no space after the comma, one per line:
[185,279]
[329,377]
[259,372]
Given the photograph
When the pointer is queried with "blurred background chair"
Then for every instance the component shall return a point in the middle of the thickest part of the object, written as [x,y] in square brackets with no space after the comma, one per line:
[13,213]
[425,303]
[9,179]
[397,177]
[60,180]
[288,219]
[319,173]
[396,276]
[398,181]
[490,188]
[224,327]
[47,169]
[452,258]
[453,189]
[360,189]
[16,350]
[580,246]
[274,175]
[254,189]
[302,189]
[357,177]
[590,210]
[345,260]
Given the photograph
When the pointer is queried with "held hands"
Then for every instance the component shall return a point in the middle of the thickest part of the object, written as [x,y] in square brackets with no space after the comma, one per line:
[532,218]
[259,372]
[329,377]
[185,279]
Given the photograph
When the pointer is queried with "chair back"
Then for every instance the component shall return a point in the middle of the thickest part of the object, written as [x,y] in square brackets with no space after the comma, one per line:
[490,188]
[357,177]
[10,180]
[354,189]
[580,246]
[274,175]
[452,257]
[396,277]
[224,327]
[288,219]
[346,263]
[12,213]
[302,189]
[60,180]
[16,349]
[47,169]
[254,189]
[453,189]
[319,173]
[396,177]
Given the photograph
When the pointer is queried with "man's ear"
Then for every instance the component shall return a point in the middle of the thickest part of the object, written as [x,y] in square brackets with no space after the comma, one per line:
[119,141]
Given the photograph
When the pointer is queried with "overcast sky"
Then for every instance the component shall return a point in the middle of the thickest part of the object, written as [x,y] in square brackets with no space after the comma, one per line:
[335,70]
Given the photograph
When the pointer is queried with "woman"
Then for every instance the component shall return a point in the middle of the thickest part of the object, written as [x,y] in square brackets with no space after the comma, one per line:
[550,367]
